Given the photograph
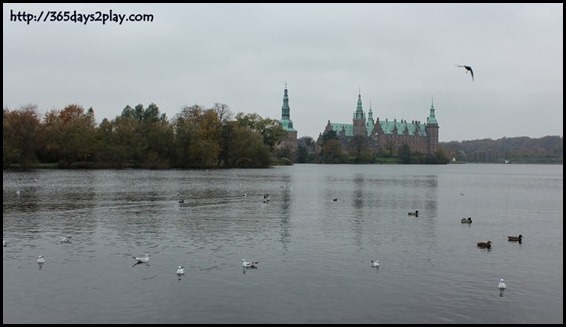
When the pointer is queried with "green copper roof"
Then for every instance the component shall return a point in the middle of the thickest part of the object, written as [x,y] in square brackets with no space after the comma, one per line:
[402,127]
[370,123]
[286,122]
[359,114]
[287,125]
[339,128]
[431,119]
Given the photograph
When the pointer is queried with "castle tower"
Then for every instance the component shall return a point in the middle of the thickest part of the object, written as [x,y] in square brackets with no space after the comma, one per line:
[370,122]
[359,122]
[287,124]
[431,131]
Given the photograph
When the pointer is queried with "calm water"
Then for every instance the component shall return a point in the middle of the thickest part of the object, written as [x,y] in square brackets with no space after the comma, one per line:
[314,253]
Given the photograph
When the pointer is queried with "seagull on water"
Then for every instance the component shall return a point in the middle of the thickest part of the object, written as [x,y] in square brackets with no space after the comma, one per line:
[249,264]
[375,263]
[468,69]
[180,270]
[4,243]
[65,239]
[40,259]
[144,259]
[502,284]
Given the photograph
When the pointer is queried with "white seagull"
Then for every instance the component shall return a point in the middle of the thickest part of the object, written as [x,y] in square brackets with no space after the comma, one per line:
[65,239]
[375,263]
[180,271]
[40,259]
[144,259]
[4,243]
[249,264]
[502,284]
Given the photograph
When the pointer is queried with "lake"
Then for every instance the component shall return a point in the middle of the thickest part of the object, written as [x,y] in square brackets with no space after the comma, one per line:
[314,253]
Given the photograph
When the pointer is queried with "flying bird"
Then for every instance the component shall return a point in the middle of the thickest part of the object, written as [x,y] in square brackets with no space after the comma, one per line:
[468,69]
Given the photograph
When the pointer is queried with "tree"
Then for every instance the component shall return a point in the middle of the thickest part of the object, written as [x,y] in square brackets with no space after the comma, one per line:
[73,132]
[360,149]
[329,135]
[302,154]
[332,152]
[270,129]
[405,154]
[244,148]
[198,137]
[306,146]
[21,136]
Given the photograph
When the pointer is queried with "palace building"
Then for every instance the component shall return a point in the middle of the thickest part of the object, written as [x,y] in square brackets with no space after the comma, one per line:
[387,136]
[382,136]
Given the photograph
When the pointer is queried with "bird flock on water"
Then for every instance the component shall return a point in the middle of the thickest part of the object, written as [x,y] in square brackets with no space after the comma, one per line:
[251,264]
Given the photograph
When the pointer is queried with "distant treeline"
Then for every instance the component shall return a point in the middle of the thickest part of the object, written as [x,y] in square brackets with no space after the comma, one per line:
[548,149]
[140,138]
[198,137]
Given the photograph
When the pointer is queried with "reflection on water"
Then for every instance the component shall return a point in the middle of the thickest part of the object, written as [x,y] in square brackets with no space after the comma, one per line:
[315,239]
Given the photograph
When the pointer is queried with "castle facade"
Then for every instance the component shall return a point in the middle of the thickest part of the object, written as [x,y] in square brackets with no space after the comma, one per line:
[384,137]
[387,136]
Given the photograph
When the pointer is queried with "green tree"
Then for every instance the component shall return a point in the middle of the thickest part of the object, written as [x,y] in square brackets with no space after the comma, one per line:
[198,137]
[302,154]
[244,148]
[270,129]
[21,136]
[405,154]
[332,152]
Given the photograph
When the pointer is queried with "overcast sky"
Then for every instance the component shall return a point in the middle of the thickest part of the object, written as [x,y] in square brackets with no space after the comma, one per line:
[399,55]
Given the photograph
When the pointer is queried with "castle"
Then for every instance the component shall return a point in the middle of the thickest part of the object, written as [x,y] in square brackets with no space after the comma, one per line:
[291,140]
[382,136]
[387,136]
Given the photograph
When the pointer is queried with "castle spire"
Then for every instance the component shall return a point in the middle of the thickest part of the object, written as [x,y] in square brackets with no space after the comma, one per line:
[359,109]
[285,110]
[431,117]
[286,122]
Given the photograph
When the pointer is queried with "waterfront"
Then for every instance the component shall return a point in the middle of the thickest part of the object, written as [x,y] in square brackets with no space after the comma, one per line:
[314,252]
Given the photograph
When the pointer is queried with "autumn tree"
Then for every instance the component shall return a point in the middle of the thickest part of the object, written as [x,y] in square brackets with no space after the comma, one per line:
[70,134]
[197,137]
[332,152]
[21,136]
